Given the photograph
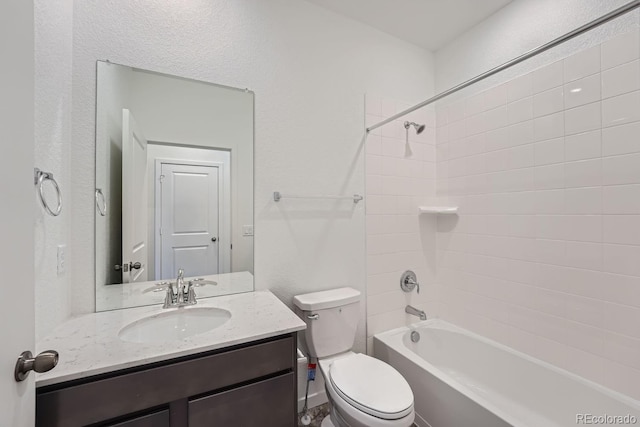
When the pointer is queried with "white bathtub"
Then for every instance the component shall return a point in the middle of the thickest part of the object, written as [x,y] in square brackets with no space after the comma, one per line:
[461,379]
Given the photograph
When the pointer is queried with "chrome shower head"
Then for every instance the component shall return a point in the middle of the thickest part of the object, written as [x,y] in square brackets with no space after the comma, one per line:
[419,128]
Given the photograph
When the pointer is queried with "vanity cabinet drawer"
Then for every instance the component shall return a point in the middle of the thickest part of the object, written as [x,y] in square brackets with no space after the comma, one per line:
[115,395]
[157,419]
[263,404]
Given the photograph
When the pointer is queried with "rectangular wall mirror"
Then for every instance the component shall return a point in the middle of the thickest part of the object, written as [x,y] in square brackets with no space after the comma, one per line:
[174,186]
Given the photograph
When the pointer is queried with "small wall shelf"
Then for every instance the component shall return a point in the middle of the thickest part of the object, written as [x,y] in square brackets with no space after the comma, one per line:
[442,210]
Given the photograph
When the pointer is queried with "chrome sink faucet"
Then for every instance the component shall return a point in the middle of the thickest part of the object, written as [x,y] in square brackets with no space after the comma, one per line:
[183,294]
[414,311]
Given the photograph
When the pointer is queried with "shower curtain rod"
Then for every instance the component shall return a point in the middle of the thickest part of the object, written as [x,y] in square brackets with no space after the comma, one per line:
[580,30]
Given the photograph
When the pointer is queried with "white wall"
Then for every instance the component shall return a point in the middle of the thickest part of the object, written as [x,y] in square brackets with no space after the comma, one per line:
[309,69]
[53,53]
[518,27]
[544,254]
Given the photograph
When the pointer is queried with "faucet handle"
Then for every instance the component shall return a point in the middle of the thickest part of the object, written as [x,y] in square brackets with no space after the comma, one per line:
[180,274]
[169,297]
[190,294]
[408,281]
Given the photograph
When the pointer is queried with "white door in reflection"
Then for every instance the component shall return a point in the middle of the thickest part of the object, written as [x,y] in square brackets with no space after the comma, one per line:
[134,201]
[189,219]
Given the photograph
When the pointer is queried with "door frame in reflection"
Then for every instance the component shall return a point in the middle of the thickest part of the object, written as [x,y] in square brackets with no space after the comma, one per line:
[224,212]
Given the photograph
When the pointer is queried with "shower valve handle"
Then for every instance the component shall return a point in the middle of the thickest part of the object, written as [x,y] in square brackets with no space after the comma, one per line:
[408,281]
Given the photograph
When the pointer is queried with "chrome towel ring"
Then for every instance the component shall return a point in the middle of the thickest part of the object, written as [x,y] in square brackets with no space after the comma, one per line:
[39,178]
[101,202]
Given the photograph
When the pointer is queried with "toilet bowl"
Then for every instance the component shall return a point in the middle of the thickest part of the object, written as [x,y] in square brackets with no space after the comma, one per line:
[366,392]
[363,391]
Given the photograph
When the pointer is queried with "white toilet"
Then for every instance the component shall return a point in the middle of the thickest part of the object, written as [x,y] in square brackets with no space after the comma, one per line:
[363,391]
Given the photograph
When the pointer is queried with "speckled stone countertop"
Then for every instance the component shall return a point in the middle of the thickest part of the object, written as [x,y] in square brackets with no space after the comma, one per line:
[89,344]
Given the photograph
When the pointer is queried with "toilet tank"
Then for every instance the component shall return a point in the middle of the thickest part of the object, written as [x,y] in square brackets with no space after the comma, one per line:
[332,320]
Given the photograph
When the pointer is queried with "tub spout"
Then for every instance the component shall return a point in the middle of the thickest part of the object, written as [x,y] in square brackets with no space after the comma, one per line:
[414,311]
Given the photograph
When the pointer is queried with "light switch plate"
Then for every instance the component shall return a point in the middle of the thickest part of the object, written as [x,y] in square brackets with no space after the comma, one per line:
[247,230]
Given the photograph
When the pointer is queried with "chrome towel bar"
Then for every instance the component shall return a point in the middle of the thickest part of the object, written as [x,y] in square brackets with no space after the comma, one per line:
[39,178]
[277,196]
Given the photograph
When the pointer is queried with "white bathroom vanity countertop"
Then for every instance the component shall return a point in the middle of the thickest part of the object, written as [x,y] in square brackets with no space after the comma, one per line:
[89,345]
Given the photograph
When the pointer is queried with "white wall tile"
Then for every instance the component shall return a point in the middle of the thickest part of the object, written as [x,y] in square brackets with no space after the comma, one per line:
[374,144]
[547,127]
[475,104]
[621,199]
[549,152]
[548,77]
[620,49]
[520,133]
[622,319]
[622,289]
[549,177]
[583,255]
[520,110]
[583,119]
[553,227]
[547,240]
[582,91]
[588,311]
[583,201]
[583,146]
[621,79]
[621,109]
[519,88]
[497,139]
[522,226]
[583,228]
[400,177]
[621,169]
[495,118]
[582,64]
[550,251]
[585,173]
[373,164]
[496,161]
[621,229]
[550,202]
[520,157]
[623,349]
[496,97]
[621,259]
[621,139]
[548,102]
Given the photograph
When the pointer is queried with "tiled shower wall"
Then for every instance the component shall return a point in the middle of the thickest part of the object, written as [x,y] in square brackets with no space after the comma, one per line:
[545,253]
[400,177]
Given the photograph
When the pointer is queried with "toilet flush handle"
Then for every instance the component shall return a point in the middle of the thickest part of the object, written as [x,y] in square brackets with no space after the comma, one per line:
[314,316]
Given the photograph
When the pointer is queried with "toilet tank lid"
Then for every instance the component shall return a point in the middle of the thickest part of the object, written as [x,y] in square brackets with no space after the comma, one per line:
[326,299]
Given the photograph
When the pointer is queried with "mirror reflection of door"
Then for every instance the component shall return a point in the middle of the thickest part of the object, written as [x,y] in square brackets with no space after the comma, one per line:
[189,210]
[134,202]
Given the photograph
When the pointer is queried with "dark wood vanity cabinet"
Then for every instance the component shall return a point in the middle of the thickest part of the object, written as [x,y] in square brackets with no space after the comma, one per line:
[247,385]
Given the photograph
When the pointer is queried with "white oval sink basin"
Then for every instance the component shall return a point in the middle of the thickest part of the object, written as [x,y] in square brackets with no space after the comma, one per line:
[174,325]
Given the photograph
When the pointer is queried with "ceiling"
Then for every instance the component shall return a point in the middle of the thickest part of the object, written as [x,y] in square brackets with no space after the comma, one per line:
[427,23]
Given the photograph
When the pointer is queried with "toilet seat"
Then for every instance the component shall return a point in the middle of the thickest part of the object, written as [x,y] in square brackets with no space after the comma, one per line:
[371,386]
